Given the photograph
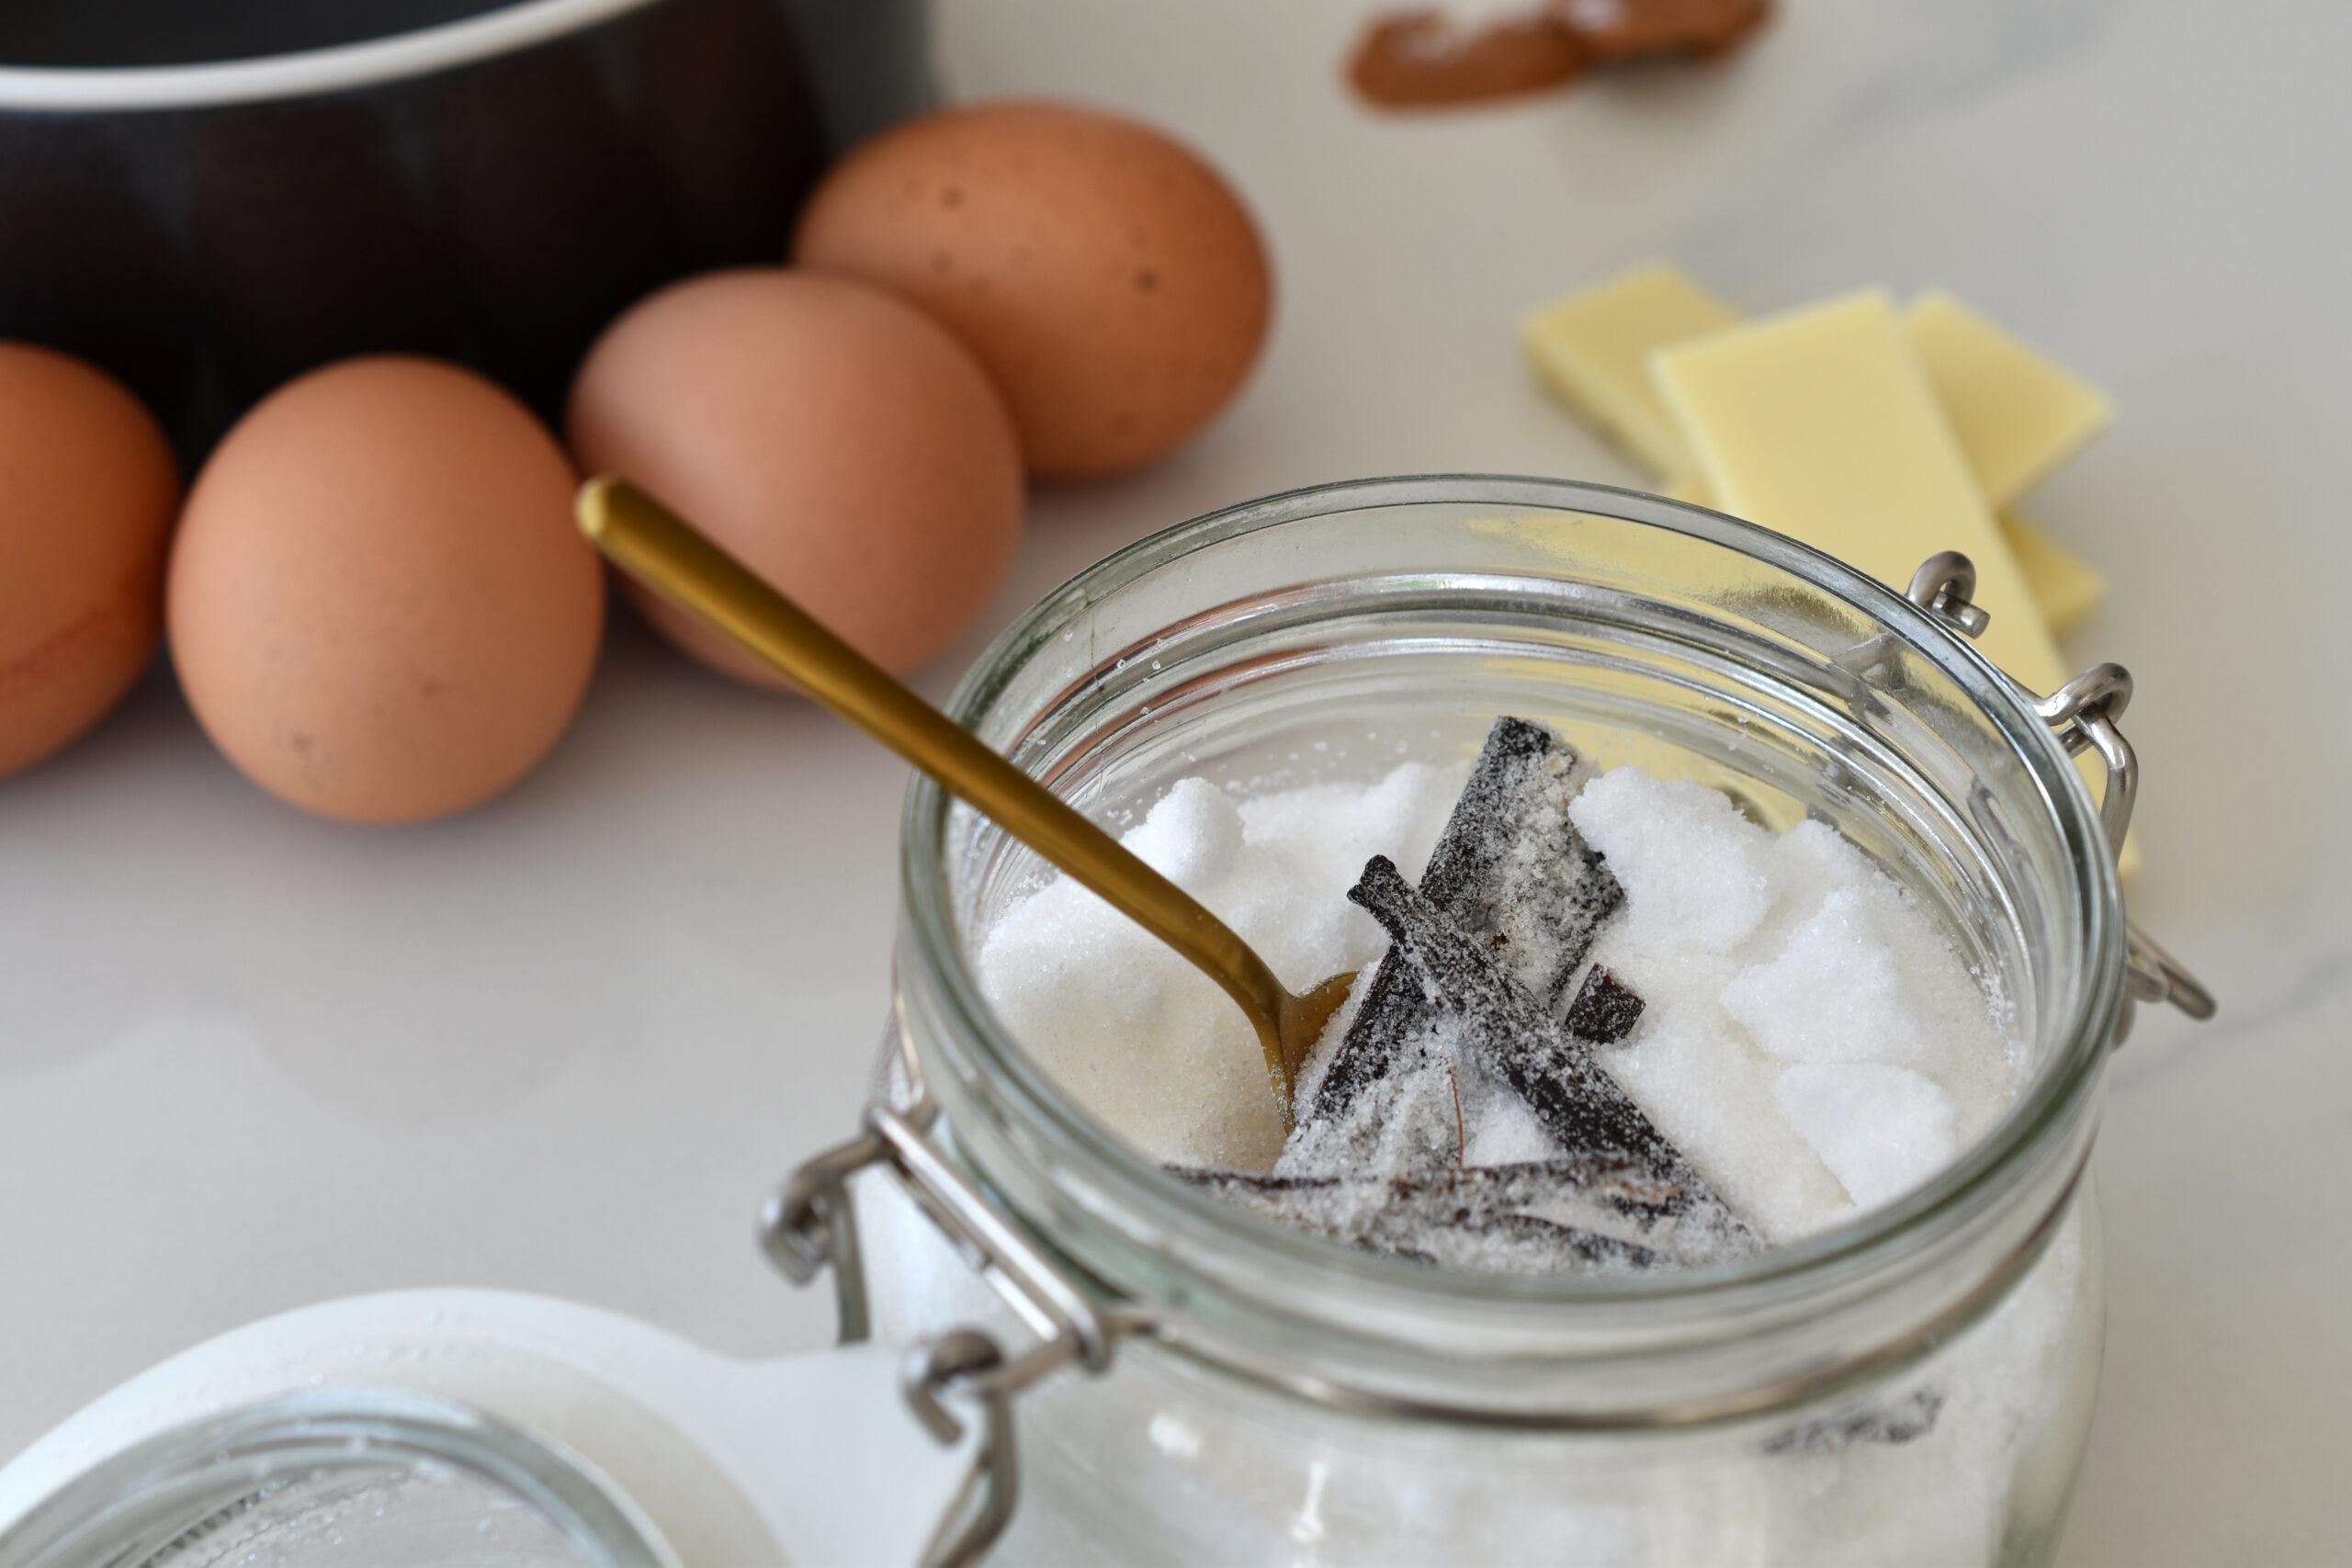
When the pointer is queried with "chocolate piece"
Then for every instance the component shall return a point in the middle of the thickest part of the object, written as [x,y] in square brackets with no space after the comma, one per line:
[1578,1103]
[1904,1422]
[1502,1241]
[1423,59]
[1571,1215]
[1510,868]
[1606,1009]
[1518,874]
[1379,1044]
[1509,1033]
[1612,31]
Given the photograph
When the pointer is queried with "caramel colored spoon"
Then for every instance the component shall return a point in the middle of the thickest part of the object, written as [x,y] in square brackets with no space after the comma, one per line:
[669,555]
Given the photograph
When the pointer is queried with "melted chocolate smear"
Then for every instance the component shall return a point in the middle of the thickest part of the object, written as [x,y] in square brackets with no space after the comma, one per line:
[1424,59]
[1615,31]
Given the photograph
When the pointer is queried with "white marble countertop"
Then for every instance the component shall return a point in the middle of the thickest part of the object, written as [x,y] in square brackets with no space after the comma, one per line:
[250,1061]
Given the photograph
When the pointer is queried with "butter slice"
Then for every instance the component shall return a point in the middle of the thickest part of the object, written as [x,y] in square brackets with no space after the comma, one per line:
[2017,412]
[2066,588]
[2027,413]
[1690,487]
[1820,425]
[1593,347]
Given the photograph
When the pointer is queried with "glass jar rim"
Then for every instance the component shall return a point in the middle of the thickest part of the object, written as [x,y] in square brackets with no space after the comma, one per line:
[1973,1182]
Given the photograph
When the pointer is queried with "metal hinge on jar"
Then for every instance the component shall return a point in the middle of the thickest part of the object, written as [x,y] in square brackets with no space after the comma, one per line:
[809,1224]
[2083,713]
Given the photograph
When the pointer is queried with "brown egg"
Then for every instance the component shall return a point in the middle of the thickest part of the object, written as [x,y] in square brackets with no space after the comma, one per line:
[1109,280]
[379,605]
[839,443]
[88,487]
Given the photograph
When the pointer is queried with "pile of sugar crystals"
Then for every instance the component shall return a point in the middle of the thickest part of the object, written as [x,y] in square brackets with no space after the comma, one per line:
[1464,1116]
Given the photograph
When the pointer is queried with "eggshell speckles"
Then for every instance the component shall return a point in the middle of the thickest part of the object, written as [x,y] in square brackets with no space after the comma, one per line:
[837,441]
[1110,280]
[379,604]
[87,489]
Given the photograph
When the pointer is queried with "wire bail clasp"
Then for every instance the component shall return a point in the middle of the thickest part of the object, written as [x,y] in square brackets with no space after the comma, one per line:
[2082,714]
[810,1223]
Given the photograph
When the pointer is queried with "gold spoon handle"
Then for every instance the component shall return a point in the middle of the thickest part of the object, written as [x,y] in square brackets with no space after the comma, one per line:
[649,542]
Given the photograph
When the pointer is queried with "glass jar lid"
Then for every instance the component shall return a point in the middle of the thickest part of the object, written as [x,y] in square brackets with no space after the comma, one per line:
[339,1477]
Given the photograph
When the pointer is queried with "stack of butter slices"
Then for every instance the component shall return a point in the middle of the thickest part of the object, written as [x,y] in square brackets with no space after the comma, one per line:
[1879,436]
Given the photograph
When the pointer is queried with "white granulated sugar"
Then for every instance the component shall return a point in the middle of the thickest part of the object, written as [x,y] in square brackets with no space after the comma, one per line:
[1882,1129]
[1712,1095]
[1410,1120]
[1501,1129]
[1810,1042]
[1700,865]
[1191,836]
[1834,993]
[1143,1039]
[1832,964]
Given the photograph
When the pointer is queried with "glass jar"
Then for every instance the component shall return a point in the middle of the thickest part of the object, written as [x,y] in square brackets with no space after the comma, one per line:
[1915,1385]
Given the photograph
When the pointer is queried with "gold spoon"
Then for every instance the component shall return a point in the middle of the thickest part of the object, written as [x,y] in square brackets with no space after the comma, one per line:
[670,556]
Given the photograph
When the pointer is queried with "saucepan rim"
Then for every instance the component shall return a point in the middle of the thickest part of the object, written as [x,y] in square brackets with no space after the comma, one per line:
[396,57]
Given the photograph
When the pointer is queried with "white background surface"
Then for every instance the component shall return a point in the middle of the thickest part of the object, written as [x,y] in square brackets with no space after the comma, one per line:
[249,1061]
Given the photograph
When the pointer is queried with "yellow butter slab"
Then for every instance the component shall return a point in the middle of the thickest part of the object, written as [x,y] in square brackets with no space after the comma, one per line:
[1819,424]
[2017,413]
[2065,586]
[1592,347]
[1693,489]
[1688,486]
